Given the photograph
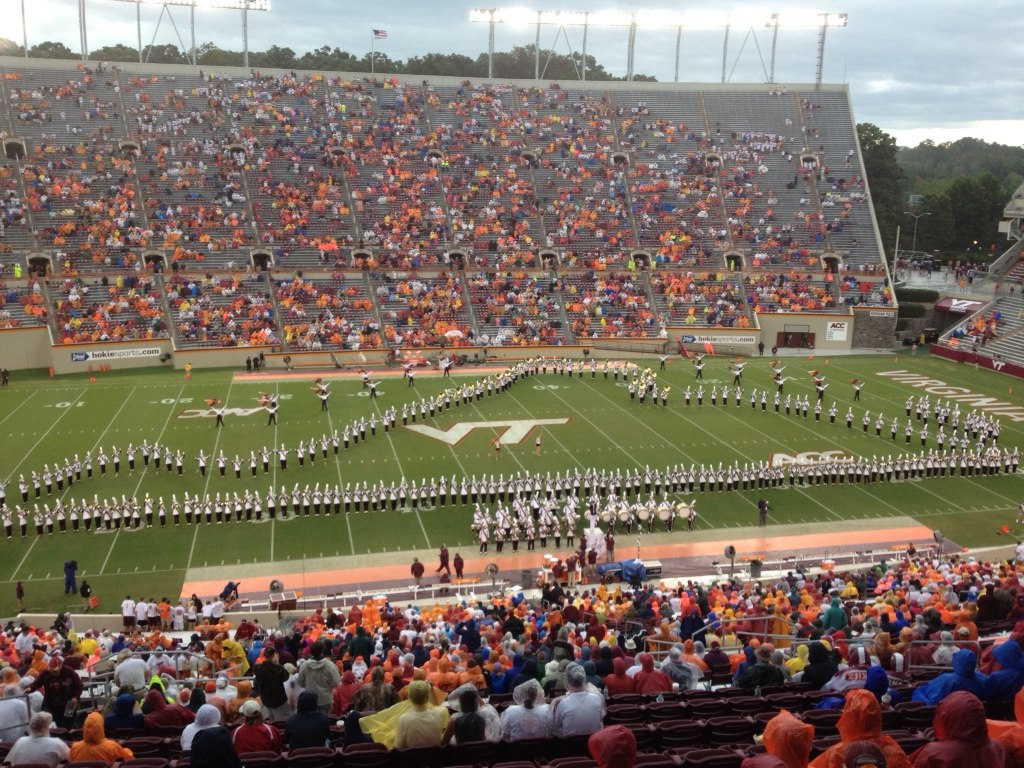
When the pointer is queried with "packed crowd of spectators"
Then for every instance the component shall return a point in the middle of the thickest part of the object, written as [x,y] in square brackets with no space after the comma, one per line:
[559,666]
[789,292]
[607,304]
[331,314]
[421,310]
[126,308]
[699,299]
[517,305]
[222,311]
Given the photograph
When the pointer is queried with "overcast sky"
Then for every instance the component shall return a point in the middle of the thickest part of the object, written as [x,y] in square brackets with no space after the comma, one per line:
[920,70]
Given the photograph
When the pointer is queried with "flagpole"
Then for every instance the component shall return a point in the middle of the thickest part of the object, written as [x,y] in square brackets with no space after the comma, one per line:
[373,47]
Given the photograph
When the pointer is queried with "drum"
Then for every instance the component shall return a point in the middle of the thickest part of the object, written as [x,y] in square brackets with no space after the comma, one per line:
[644,514]
[682,510]
[607,515]
[664,513]
[625,515]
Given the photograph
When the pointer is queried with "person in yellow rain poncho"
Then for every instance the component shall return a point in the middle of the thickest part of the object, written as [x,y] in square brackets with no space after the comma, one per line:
[414,722]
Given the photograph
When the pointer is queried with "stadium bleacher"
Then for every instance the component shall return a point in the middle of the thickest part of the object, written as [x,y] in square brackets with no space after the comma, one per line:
[140,169]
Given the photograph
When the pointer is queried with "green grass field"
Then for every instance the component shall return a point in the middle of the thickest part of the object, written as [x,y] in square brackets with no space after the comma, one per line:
[44,420]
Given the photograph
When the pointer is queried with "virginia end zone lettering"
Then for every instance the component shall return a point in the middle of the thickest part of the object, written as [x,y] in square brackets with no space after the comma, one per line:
[961,395]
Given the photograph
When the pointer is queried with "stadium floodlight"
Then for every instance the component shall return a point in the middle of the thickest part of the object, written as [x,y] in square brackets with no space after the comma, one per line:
[237,5]
[166,5]
[653,19]
[805,20]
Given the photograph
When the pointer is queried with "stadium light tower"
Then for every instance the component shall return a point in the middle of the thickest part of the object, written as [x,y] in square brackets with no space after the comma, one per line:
[241,5]
[634,20]
[805,20]
[916,217]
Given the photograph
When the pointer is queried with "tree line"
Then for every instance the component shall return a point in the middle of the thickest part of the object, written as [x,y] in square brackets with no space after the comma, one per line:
[956,189]
[519,63]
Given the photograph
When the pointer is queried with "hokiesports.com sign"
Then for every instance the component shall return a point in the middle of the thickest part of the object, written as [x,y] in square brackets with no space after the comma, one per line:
[718,338]
[115,354]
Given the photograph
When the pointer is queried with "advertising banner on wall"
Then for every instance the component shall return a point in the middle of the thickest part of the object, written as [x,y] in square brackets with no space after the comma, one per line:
[837,330]
[106,355]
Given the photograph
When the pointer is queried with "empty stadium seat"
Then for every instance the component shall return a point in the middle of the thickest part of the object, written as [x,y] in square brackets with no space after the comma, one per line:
[712,758]
[311,757]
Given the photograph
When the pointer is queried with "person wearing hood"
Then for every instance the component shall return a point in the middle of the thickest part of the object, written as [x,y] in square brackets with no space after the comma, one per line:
[943,655]
[618,682]
[308,727]
[833,617]
[962,678]
[96,746]
[210,742]
[158,713]
[530,716]
[341,699]
[650,680]
[820,668]
[527,671]
[196,699]
[319,675]
[798,661]
[680,672]
[961,737]
[1004,683]
[861,721]
[613,747]
[581,710]
[789,739]
[124,717]
[376,695]
[207,716]
[423,724]
[1011,733]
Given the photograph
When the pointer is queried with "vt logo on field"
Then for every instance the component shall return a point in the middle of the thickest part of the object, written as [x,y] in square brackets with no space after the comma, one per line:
[515,430]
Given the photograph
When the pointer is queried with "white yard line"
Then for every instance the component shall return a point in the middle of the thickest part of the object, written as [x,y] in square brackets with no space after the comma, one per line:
[18,407]
[170,413]
[53,426]
[25,556]
[99,440]
[341,484]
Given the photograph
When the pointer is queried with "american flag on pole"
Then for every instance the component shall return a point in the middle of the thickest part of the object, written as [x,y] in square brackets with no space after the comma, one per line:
[380,34]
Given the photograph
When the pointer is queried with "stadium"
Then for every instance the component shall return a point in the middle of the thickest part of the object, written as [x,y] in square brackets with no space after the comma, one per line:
[308,334]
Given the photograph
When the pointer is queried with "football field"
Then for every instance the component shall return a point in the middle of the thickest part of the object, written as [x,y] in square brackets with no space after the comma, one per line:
[582,422]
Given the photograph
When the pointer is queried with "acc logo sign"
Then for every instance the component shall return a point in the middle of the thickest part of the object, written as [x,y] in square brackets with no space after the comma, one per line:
[808,457]
[514,432]
[79,357]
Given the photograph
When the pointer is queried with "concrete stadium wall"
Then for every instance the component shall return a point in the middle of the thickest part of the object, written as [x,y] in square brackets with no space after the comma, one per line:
[80,358]
[820,324]
[25,348]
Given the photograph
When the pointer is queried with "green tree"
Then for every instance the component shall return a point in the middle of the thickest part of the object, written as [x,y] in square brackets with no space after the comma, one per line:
[274,56]
[115,53]
[382,64]
[51,50]
[209,55]
[884,175]
[327,60]
[976,205]
[445,65]
[10,48]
